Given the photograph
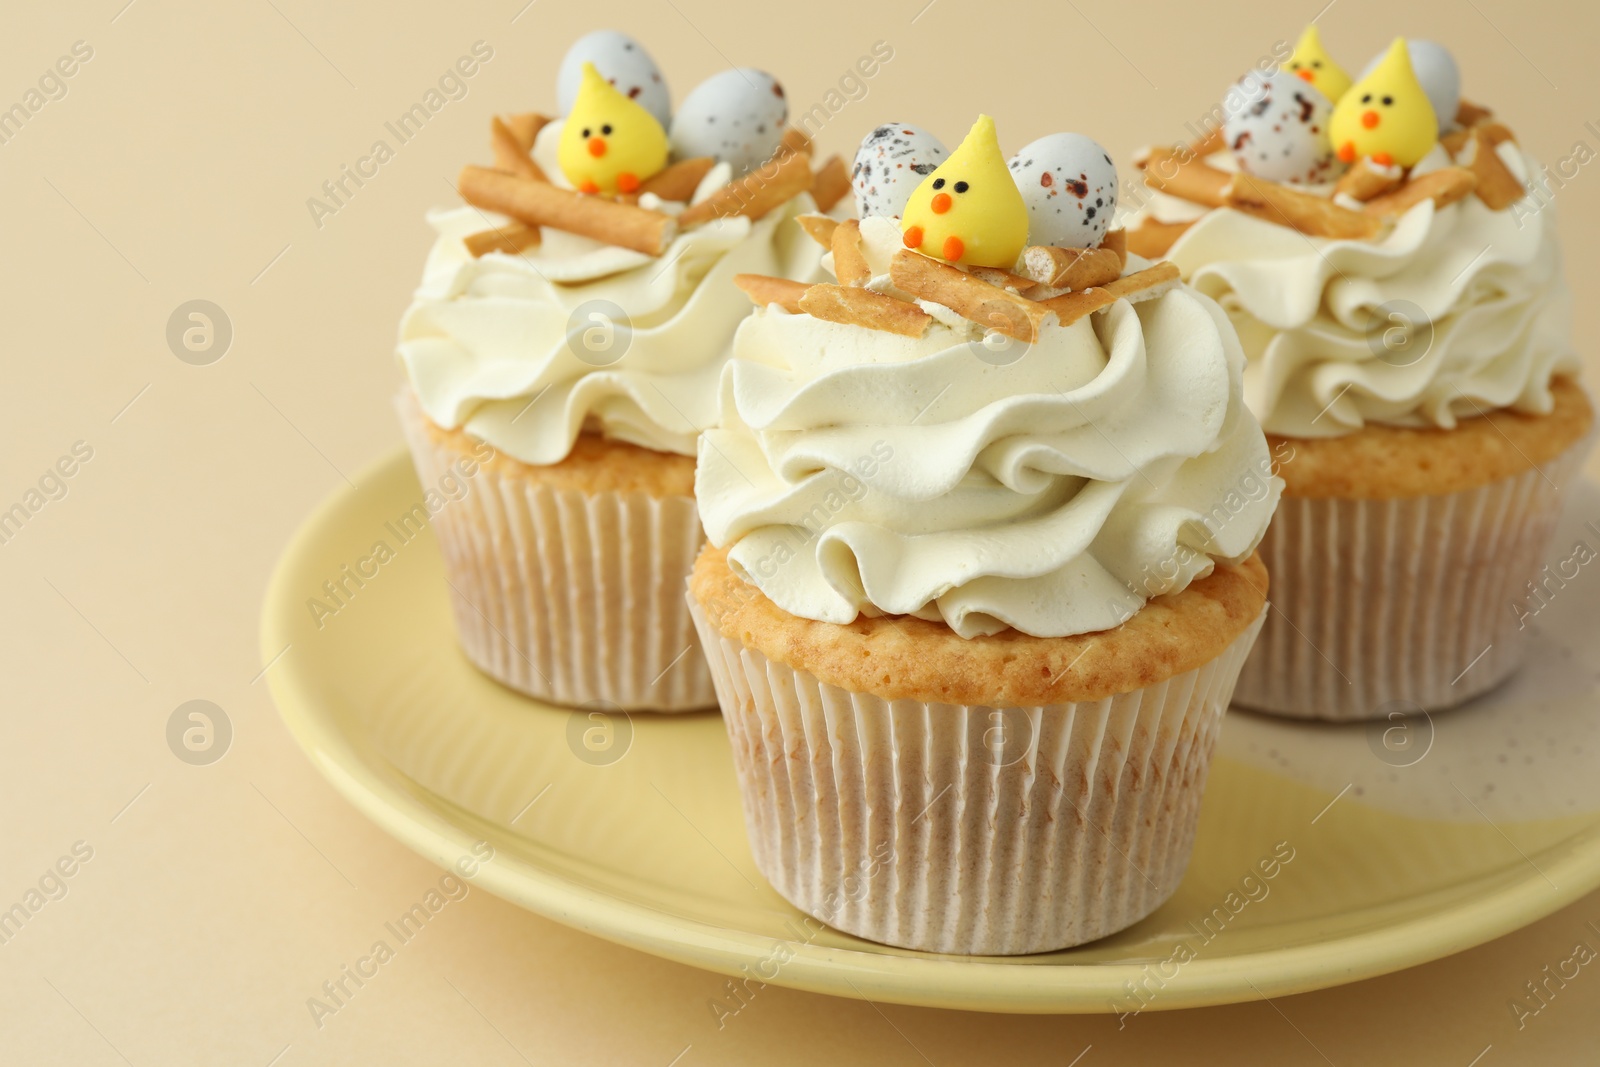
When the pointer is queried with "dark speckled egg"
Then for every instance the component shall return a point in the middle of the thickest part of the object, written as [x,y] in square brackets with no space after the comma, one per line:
[1277,127]
[891,162]
[1070,186]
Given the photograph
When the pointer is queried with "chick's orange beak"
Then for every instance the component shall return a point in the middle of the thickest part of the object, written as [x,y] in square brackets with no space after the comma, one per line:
[1306,75]
[940,203]
[1369,119]
[597,146]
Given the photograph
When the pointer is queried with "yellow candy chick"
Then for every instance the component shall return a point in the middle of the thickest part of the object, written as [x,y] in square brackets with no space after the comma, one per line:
[609,144]
[968,210]
[1385,116]
[1313,63]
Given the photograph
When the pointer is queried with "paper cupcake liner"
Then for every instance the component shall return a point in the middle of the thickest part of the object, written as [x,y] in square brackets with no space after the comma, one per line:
[965,829]
[569,597]
[1395,605]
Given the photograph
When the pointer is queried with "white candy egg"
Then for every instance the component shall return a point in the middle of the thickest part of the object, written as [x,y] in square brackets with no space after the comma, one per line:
[1436,69]
[1277,127]
[736,116]
[1070,186]
[623,62]
[891,162]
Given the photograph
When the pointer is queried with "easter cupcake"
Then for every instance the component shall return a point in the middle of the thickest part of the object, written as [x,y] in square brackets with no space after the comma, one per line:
[980,575]
[1398,292]
[571,325]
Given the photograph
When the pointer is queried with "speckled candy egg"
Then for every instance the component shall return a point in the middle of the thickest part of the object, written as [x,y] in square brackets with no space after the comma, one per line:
[1436,69]
[1070,186]
[736,116]
[891,162]
[624,63]
[1277,127]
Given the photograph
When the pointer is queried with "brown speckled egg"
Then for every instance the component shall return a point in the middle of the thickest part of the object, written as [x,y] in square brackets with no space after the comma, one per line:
[1277,127]
[1070,186]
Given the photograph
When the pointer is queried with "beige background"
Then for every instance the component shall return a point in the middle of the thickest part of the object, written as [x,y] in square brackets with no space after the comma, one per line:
[177,167]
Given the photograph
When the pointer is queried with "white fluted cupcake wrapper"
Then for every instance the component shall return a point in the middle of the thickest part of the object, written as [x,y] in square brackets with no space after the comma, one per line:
[570,597]
[1394,605]
[964,829]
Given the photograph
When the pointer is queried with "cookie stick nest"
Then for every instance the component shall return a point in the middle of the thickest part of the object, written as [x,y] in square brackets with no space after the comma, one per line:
[864,307]
[1497,186]
[849,262]
[848,304]
[970,297]
[819,228]
[678,181]
[1443,186]
[830,184]
[768,186]
[1366,179]
[1178,172]
[512,238]
[511,140]
[509,153]
[1140,285]
[542,204]
[1071,268]
[1314,215]
[764,289]
[1154,239]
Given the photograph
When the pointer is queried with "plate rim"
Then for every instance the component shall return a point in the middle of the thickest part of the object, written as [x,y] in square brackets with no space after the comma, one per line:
[978,983]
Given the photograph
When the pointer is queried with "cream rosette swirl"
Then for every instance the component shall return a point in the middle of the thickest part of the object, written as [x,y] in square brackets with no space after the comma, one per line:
[1455,311]
[1051,487]
[527,351]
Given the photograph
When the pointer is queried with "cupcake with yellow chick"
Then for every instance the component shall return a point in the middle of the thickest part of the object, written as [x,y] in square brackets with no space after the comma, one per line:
[982,513]
[1407,327]
[562,355]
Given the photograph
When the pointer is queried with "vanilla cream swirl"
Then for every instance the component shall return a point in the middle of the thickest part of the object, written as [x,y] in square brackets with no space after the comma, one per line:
[510,348]
[1453,312]
[1051,487]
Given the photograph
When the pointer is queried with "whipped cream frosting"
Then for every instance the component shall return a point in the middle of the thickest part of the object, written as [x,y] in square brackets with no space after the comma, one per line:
[1482,289]
[510,348]
[1051,487]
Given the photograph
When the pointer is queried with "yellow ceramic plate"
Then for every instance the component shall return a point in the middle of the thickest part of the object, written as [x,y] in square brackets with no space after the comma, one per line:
[1407,842]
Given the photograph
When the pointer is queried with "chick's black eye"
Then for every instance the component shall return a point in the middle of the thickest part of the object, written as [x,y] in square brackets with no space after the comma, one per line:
[606,129]
[1367,98]
[586,132]
[938,183]
[1317,63]
[1388,101]
[961,187]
